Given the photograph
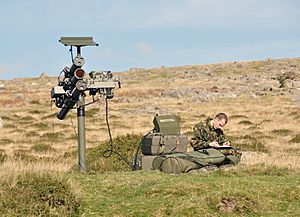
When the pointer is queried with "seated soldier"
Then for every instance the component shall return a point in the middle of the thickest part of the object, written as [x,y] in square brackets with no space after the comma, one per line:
[208,133]
[210,149]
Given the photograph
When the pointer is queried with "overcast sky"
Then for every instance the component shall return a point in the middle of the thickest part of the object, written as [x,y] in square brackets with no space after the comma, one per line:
[140,33]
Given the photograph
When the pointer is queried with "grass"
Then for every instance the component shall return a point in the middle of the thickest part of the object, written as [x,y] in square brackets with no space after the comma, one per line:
[40,126]
[282,132]
[33,194]
[244,192]
[5,141]
[109,188]
[42,148]
[54,137]
[238,117]
[24,156]
[125,145]
[247,123]
[296,139]
[3,157]
[91,112]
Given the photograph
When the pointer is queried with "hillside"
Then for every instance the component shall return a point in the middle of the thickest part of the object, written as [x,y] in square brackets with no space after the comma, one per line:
[262,99]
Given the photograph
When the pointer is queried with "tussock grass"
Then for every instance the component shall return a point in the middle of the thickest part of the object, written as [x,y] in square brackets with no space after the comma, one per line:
[243,192]
[54,137]
[24,155]
[125,145]
[247,123]
[40,126]
[35,102]
[3,157]
[238,117]
[42,148]
[248,143]
[5,141]
[36,112]
[33,194]
[296,139]
[27,118]
[282,132]
[32,134]
[12,126]
[91,112]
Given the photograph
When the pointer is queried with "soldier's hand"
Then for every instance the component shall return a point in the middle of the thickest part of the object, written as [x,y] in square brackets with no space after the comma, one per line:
[227,143]
[214,144]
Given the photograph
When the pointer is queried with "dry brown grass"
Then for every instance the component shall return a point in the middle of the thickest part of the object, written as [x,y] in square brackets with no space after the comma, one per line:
[272,119]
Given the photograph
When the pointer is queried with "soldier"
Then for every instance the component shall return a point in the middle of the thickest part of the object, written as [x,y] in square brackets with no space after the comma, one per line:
[209,133]
[210,149]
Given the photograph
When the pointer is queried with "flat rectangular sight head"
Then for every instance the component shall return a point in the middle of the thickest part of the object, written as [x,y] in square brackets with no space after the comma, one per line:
[78,41]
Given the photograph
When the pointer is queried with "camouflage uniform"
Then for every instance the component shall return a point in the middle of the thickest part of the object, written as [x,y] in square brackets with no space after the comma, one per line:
[204,134]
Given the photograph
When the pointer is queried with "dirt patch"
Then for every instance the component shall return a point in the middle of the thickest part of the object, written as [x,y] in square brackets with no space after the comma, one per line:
[236,204]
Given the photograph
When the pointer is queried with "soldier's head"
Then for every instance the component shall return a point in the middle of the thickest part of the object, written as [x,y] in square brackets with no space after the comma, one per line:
[220,120]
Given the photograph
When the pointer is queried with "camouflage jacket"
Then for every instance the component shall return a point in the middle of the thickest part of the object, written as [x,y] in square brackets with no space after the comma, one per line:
[204,134]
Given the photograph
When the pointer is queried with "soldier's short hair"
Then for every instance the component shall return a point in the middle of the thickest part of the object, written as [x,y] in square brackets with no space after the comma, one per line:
[222,116]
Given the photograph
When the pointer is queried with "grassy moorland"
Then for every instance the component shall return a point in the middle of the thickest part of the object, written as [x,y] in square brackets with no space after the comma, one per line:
[38,152]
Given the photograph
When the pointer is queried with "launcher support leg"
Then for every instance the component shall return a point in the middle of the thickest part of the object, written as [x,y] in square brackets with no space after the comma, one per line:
[81,135]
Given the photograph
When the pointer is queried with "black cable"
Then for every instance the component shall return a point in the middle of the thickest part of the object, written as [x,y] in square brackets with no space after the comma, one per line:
[137,151]
[90,102]
[111,150]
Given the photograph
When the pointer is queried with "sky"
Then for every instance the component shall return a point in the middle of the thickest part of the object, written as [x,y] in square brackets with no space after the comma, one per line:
[144,34]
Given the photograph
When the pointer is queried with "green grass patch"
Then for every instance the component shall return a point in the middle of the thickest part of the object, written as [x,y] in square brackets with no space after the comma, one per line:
[282,132]
[3,157]
[6,118]
[35,102]
[5,141]
[248,143]
[296,139]
[24,156]
[40,126]
[242,192]
[36,112]
[92,112]
[11,126]
[33,194]
[42,148]
[238,117]
[27,118]
[53,137]
[294,151]
[247,123]
[32,134]
[125,145]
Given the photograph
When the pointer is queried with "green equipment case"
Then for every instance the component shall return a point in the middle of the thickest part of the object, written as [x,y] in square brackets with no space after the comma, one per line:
[158,144]
[165,138]
[166,124]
